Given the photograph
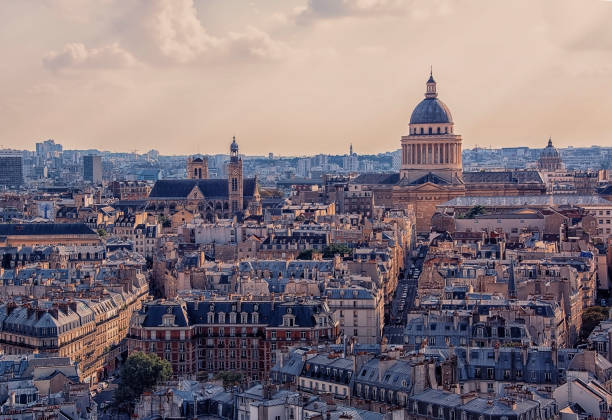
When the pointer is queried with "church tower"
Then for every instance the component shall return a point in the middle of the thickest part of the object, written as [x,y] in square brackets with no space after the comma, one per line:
[431,152]
[197,167]
[234,179]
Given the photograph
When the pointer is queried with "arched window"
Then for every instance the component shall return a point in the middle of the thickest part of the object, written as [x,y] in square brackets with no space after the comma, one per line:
[438,130]
[430,130]
[422,132]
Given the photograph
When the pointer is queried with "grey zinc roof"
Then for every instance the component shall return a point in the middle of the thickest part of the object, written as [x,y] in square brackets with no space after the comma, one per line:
[515,177]
[210,188]
[28,229]
[526,200]
[498,408]
[375,179]
[431,111]
[446,399]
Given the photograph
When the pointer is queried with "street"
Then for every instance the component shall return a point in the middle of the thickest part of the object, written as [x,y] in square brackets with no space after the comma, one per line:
[405,296]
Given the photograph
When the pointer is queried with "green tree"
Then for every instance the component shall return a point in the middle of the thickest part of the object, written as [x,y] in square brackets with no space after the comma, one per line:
[101,233]
[475,211]
[164,221]
[305,254]
[229,377]
[331,250]
[140,372]
[591,317]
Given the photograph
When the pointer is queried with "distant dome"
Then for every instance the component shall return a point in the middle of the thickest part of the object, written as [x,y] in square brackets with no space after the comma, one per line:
[431,111]
[550,150]
[550,158]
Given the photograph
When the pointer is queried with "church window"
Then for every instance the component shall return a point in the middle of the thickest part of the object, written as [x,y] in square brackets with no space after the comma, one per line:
[234,184]
[234,205]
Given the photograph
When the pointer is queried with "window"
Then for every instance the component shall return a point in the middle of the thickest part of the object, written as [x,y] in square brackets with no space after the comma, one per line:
[234,184]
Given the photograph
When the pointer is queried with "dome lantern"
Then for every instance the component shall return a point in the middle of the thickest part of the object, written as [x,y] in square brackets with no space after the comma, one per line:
[431,87]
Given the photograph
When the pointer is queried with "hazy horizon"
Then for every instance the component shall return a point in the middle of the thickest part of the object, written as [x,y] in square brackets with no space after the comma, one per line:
[301,77]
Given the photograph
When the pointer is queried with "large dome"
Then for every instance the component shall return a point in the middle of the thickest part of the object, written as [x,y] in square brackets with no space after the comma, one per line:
[431,111]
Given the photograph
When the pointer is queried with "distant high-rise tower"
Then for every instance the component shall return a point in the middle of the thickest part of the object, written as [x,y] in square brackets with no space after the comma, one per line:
[92,169]
[197,167]
[234,179]
[11,168]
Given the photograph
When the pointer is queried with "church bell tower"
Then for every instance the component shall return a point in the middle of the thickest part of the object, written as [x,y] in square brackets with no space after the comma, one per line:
[235,180]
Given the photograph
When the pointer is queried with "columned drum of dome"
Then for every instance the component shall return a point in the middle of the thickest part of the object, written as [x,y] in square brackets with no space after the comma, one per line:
[431,145]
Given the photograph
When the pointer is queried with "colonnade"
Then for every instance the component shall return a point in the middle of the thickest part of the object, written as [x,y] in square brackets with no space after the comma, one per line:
[431,154]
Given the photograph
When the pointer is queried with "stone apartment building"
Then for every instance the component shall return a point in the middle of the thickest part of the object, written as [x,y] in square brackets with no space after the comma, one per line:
[203,337]
[359,312]
[87,330]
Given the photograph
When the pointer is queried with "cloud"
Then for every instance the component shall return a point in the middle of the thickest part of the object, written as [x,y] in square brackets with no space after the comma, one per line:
[330,9]
[254,43]
[78,56]
[335,9]
[171,31]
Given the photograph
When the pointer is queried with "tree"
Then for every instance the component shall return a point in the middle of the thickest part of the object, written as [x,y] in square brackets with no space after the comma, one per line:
[164,221]
[101,233]
[475,211]
[331,250]
[305,254]
[140,372]
[591,317]
[229,377]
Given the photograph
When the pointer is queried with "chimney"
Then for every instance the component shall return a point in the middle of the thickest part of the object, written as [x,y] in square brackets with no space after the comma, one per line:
[524,351]
[465,398]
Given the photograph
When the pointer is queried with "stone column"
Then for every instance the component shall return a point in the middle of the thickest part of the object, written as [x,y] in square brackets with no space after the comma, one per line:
[460,160]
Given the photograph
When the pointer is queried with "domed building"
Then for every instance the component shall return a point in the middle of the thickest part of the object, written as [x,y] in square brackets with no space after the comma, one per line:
[550,159]
[431,148]
[431,172]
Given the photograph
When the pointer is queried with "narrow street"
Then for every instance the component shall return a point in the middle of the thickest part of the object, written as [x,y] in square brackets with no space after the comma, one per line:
[405,296]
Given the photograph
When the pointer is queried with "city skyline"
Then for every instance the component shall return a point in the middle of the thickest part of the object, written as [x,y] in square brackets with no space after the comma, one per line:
[182,77]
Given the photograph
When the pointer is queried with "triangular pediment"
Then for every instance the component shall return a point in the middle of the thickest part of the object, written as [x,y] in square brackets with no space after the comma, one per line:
[428,186]
[195,193]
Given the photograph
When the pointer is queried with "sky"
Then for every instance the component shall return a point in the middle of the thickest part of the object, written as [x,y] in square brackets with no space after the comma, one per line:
[300,77]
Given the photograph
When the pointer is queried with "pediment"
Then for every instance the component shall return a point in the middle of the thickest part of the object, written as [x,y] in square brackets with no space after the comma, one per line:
[195,194]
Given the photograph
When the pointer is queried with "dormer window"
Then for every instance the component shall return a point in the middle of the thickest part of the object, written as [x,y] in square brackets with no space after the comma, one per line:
[168,320]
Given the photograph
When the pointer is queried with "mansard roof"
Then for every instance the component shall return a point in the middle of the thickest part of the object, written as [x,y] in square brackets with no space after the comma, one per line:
[196,312]
[375,178]
[35,229]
